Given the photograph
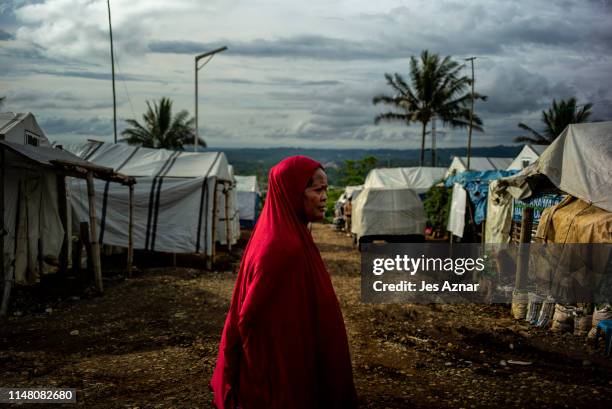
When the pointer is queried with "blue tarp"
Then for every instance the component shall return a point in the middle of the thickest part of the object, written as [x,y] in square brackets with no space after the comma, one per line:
[477,186]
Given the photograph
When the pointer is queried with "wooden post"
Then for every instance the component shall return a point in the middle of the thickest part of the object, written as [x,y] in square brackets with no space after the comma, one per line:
[95,245]
[62,202]
[40,260]
[522,266]
[130,251]
[4,274]
[211,262]
[227,218]
[84,241]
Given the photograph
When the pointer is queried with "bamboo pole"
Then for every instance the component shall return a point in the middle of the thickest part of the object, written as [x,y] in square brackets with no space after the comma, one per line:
[95,245]
[522,267]
[130,253]
[4,274]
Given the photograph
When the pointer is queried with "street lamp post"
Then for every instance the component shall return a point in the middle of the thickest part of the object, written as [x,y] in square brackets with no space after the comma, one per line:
[469,147]
[198,58]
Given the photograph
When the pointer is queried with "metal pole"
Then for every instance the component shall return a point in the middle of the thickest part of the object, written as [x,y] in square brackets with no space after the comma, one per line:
[433,141]
[195,141]
[198,58]
[469,147]
[4,275]
[110,29]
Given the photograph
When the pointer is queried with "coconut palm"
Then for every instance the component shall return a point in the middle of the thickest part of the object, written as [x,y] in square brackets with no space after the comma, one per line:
[161,129]
[556,119]
[436,90]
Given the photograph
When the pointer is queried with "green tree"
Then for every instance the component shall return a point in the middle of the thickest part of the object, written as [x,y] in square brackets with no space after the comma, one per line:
[437,205]
[436,89]
[160,128]
[354,172]
[556,119]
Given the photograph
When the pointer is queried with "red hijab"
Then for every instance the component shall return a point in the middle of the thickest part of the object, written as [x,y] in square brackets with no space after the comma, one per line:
[284,343]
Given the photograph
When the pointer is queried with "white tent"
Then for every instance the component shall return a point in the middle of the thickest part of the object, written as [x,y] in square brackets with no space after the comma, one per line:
[477,163]
[420,179]
[174,199]
[36,216]
[248,199]
[21,128]
[527,155]
[351,191]
[387,212]
[32,221]
[389,204]
[578,162]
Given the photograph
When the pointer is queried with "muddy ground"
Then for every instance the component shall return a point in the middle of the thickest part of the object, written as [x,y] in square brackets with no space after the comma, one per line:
[151,342]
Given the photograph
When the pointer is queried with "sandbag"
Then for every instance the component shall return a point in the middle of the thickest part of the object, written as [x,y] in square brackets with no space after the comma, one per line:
[533,307]
[603,313]
[563,319]
[519,304]
[546,312]
[582,323]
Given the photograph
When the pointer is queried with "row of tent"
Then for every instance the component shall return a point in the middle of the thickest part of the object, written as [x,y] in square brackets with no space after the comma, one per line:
[178,202]
[577,164]
[529,154]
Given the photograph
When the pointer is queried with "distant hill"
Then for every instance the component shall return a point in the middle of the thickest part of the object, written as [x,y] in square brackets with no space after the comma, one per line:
[258,161]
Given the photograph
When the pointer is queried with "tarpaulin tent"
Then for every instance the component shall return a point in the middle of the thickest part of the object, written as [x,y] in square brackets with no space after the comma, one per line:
[34,207]
[575,221]
[248,198]
[577,163]
[477,163]
[179,203]
[419,179]
[351,191]
[527,155]
[389,204]
[388,212]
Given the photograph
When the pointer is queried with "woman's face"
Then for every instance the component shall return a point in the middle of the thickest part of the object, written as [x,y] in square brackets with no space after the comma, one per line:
[315,196]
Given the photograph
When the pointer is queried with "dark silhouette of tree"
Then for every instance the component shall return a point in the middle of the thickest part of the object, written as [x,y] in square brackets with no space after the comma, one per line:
[436,89]
[161,129]
[556,119]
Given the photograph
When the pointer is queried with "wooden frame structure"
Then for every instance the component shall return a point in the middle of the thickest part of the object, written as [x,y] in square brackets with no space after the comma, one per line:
[63,164]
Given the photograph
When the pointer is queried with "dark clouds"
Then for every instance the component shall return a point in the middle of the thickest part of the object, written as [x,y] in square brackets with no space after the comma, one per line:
[515,90]
[93,126]
[304,46]
[6,36]
[96,75]
[278,82]
[30,100]
[402,32]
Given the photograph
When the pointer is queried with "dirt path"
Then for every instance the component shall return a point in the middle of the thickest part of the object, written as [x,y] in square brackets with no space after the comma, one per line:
[151,342]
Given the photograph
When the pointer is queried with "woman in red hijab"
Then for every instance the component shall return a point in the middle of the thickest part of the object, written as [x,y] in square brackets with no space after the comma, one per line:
[284,343]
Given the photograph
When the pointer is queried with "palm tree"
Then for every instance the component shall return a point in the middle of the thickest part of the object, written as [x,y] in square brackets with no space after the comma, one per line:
[436,89]
[556,119]
[161,129]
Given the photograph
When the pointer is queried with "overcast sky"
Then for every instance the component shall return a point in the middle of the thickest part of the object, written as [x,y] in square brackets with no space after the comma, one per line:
[297,73]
